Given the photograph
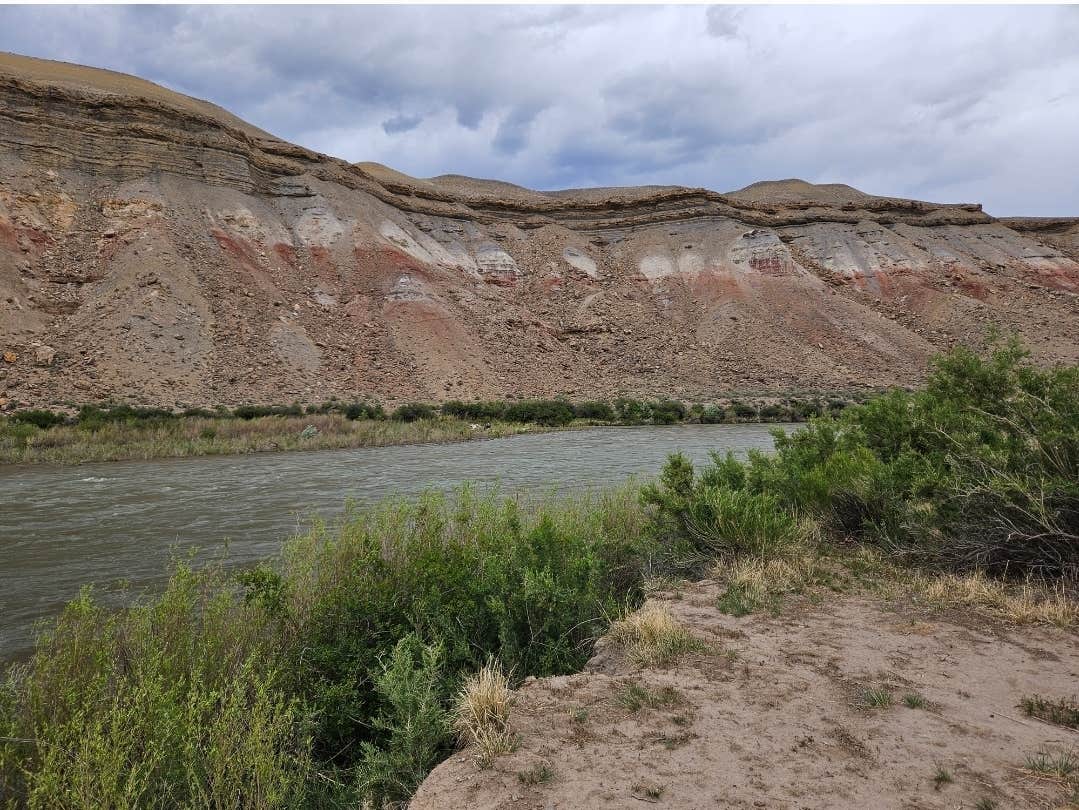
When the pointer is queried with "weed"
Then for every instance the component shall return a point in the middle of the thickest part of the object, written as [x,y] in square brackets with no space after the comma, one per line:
[635,697]
[539,774]
[985,803]
[942,777]
[1060,766]
[579,716]
[877,697]
[1061,712]
[914,700]
[650,790]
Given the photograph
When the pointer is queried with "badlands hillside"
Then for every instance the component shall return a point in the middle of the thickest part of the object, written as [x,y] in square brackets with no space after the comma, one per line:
[155,248]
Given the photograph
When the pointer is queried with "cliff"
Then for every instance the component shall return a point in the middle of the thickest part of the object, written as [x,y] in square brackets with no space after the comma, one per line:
[155,248]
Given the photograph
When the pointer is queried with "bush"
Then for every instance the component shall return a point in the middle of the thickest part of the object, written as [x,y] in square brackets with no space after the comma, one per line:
[599,411]
[249,412]
[550,412]
[979,471]
[39,418]
[632,411]
[475,411]
[174,702]
[364,410]
[413,412]
[93,417]
[667,412]
[743,411]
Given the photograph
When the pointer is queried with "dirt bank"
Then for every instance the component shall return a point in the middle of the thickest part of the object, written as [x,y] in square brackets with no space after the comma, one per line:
[805,709]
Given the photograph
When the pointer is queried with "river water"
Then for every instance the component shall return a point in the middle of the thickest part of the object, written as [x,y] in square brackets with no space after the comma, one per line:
[63,527]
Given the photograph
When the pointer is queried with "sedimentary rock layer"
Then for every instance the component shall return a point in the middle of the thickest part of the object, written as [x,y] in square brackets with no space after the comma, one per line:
[155,248]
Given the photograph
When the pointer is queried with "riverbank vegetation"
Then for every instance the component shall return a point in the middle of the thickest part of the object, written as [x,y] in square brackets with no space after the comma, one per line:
[334,676]
[113,432]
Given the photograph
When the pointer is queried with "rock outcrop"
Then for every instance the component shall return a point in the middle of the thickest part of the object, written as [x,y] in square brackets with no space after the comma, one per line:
[164,251]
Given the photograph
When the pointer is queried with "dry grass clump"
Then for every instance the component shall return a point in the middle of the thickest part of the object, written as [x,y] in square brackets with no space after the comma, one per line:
[653,637]
[482,712]
[762,577]
[1028,603]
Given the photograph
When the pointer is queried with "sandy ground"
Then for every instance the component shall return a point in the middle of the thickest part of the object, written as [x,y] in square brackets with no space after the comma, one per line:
[774,716]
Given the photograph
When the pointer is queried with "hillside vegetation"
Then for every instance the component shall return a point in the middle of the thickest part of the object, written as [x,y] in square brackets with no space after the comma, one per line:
[339,673]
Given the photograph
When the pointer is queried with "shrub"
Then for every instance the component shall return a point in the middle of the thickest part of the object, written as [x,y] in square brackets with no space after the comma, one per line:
[632,411]
[979,471]
[667,411]
[364,410]
[743,411]
[249,412]
[413,412]
[550,412]
[172,702]
[412,721]
[713,415]
[477,411]
[599,411]
[39,418]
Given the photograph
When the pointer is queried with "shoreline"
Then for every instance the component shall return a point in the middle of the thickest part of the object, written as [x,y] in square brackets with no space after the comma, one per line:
[69,445]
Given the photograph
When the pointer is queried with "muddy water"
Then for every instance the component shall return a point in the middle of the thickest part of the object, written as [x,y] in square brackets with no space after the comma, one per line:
[62,527]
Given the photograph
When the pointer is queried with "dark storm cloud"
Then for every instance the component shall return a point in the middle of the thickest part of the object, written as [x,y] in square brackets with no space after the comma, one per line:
[951,103]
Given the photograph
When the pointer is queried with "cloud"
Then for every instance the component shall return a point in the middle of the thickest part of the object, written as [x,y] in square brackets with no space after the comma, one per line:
[401,123]
[951,103]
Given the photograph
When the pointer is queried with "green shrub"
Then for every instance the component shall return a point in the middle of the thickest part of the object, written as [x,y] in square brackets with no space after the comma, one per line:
[363,410]
[39,418]
[713,415]
[632,411]
[413,412]
[667,411]
[475,411]
[249,412]
[743,411]
[550,412]
[412,719]
[978,471]
[599,411]
[174,702]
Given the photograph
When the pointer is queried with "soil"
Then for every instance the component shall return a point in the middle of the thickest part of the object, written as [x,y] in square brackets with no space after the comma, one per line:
[773,716]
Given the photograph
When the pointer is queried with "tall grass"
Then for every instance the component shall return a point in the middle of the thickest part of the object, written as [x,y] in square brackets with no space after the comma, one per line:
[325,679]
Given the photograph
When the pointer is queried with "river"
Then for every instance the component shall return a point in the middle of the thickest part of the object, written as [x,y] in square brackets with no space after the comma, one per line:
[63,527]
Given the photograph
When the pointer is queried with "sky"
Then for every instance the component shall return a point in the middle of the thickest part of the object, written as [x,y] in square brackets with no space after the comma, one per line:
[949,104]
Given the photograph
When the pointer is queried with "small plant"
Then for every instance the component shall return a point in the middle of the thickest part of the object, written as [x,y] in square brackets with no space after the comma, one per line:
[650,790]
[579,716]
[536,775]
[877,697]
[942,777]
[1060,712]
[737,601]
[914,700]
[1060,766]
[635,697]
[985,803]
[653,637]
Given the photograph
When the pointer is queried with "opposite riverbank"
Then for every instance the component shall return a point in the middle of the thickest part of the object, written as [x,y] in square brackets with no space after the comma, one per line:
[95,433]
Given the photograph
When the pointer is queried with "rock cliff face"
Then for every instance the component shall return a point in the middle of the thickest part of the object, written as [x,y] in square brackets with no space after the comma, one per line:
[156,248]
